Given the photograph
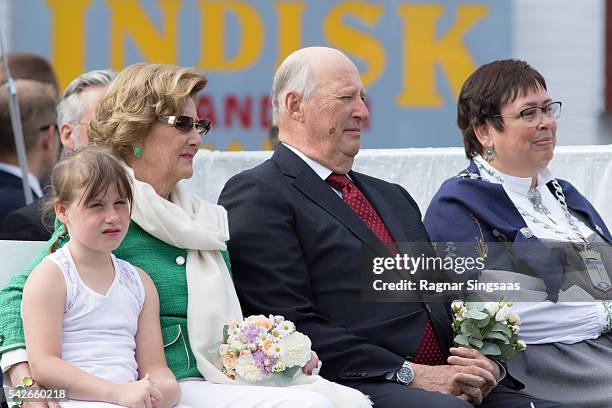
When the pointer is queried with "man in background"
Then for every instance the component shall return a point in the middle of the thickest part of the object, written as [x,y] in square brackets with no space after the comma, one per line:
[78,105]
[74,112]
[37,105]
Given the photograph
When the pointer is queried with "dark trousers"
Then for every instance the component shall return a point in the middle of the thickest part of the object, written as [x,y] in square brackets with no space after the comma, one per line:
[392,395]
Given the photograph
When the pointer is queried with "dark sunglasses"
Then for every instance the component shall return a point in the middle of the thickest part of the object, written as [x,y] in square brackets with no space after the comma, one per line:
[185,123]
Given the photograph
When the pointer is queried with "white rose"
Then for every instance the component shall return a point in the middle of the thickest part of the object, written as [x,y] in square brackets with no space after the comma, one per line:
[461,315]
[246,368]
[491,308]
[520,345]
[456,306]
[503,313]
[514,319]
[295,349]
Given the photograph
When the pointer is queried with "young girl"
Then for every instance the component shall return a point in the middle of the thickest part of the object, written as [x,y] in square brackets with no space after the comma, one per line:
[91,321]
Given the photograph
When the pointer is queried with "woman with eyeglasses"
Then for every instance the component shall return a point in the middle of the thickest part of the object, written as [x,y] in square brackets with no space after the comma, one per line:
[148,118]
[508,208]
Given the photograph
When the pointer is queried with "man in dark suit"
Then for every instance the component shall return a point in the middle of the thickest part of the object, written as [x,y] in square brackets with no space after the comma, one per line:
[74,112]
[300,224]
[37,107]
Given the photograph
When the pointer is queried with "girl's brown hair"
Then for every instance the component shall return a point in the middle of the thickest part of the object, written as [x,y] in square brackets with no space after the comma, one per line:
[92,168]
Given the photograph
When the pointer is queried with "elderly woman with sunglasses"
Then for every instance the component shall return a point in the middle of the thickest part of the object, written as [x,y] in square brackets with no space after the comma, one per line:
[148,118]
[508,207]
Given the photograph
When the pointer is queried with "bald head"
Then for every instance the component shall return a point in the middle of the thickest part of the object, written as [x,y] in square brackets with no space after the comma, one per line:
[300,72]
[318,105]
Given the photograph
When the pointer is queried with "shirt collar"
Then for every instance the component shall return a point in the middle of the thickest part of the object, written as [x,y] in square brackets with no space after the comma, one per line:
[518,184]
[318,168]
[16,171]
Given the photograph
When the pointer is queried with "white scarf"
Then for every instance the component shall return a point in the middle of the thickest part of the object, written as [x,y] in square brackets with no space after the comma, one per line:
[202,229]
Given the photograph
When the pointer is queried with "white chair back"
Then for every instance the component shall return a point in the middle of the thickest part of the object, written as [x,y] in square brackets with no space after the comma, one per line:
[15,256]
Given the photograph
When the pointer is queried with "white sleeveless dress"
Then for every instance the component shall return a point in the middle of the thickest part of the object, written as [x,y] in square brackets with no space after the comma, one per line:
[98,331]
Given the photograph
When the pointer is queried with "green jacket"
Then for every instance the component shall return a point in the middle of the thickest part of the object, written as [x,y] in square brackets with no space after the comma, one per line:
[166,268]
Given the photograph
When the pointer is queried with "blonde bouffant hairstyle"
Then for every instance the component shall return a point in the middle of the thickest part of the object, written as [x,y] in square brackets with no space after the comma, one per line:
[136,98]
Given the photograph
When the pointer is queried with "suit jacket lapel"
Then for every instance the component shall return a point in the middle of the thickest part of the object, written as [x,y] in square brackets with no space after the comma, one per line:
[317,190]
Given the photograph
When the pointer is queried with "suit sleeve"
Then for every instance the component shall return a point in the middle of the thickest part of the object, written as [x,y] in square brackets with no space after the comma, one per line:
[18,226]
[271,276]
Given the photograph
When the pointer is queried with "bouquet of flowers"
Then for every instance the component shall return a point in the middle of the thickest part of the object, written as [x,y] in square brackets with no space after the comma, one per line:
[260,347]
[489,327]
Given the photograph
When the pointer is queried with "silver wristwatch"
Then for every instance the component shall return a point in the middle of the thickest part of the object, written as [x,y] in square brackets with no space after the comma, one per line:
[405,374]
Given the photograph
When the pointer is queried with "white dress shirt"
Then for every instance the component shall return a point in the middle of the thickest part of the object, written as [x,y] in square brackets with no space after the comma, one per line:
[318,168]
[548,322]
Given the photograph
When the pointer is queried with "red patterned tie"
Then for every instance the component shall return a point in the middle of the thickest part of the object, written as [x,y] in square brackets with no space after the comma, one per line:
[362,207]
[429,351]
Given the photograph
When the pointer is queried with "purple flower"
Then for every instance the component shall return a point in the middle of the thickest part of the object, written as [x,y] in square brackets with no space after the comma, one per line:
[263,362]
[251,333]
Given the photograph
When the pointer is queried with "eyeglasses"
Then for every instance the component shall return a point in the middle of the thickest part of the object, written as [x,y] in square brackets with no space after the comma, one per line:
[533,116]
[185,123]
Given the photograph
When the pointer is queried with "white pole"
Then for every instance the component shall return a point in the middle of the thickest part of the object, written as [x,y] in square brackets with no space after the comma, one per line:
[16,122]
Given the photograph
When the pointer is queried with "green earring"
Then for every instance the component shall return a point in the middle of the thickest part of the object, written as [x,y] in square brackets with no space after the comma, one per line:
[137,151]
